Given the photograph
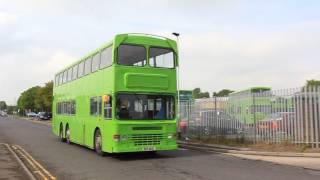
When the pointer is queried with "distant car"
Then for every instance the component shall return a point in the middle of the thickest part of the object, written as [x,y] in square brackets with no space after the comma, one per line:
[3,113]
[44,116]
[277,121]
[31,114]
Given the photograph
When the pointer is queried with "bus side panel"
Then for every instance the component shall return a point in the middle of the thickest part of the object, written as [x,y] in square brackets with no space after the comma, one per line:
[96,85]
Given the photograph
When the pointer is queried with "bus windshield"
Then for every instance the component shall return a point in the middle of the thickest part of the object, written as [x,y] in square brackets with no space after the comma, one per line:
[143,106]
[132,55]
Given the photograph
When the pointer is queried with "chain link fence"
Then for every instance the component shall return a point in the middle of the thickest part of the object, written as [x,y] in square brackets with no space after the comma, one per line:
[257,115]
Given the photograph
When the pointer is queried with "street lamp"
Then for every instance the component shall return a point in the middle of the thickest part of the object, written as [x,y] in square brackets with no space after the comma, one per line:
[178,83]
[178,78]
[176,34]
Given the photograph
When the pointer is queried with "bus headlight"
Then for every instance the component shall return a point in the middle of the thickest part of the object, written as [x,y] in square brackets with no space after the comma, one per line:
[116,137]
[124,138]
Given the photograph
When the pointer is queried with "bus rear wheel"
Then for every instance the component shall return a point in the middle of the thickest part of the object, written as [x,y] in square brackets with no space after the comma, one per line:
[68,135]
[98,143]
[62,139]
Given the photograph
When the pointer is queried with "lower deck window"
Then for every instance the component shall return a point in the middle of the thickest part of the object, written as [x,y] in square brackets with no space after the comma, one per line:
[95,106]
[143,106]
[66,107]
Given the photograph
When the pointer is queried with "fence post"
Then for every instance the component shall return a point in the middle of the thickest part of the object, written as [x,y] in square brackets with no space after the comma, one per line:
[317,104]
[254,117]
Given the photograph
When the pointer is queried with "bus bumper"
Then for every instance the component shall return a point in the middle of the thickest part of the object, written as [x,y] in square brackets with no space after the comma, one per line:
[128,148]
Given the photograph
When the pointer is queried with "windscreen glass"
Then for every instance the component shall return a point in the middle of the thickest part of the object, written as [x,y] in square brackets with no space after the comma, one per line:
[161,57]
[142,106]
[132,55]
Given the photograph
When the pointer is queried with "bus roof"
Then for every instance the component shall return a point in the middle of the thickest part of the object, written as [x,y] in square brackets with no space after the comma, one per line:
[118,39]
[252,90]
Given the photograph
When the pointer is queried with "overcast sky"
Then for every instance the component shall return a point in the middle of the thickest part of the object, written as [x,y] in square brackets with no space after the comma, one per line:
[224,44]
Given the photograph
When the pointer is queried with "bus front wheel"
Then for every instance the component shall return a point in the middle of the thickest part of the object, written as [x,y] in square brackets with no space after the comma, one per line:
[98,143]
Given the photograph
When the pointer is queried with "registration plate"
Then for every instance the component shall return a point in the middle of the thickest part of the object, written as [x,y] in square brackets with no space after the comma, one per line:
[149,148]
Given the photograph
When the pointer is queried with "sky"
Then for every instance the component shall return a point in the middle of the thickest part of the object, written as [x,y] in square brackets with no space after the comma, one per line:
[233,44]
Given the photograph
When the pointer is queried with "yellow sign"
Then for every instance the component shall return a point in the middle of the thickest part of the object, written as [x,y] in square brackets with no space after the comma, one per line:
[106,98]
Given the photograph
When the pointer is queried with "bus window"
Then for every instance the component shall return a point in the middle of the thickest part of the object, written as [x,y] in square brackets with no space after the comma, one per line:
[65,76]
[73,107]
[107,108]
[95,106]
[56,80]
[69,75]
[60,78]
[161,57]
[132,55]
[142,106]
[95,62]
[87,66]
[106,57]
[74,72]
[81,69]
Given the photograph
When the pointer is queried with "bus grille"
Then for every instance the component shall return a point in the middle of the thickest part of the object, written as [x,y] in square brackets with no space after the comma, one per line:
[146,139]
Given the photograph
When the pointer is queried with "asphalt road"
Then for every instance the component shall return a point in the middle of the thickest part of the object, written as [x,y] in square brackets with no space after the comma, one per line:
[76,162]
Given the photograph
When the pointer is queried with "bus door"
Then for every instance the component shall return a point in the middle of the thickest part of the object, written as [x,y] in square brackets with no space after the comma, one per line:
[107,106]
[93,120]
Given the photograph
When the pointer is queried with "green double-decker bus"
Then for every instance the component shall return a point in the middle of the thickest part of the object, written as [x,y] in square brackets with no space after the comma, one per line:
[120,97]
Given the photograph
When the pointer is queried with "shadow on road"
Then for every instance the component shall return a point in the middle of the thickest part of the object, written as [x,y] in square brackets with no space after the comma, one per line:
[136,156]
[156,155]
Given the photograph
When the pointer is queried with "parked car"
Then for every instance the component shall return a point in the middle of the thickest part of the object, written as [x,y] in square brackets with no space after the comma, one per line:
[3,113]
[31,114]
[277,121]
[44,116]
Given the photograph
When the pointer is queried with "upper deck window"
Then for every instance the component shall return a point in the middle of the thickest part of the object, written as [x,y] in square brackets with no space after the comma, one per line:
[132,55]
[60,78]
[69,78]
[87,66]
[65,73]
[75,72]
[95,62]
[56,81]
[161,57]
[81,69]
[106,57]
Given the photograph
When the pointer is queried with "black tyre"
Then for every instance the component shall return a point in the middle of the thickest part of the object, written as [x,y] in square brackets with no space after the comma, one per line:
[68,133]
[98,143]
[62,139]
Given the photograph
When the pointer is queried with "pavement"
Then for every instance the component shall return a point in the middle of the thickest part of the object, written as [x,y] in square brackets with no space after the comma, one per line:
[245,151]
[76,162]
[9,167]
[304,162]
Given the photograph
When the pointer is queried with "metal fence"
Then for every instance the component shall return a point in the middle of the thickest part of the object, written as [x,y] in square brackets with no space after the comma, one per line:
[271,116]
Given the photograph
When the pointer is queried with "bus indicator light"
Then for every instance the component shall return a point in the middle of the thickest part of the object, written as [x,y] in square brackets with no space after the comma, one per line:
[116,137]
[106,98]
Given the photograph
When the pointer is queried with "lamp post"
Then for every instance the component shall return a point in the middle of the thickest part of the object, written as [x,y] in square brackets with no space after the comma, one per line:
[178,81]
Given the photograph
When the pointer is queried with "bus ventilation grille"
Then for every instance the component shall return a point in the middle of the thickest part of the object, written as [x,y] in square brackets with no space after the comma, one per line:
[146,139]
[147,128]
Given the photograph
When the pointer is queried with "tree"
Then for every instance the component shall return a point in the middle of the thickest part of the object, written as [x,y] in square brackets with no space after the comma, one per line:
[3,105]
[198,94]
[44,97]
[313,82]
[204,95]
[37,98]
[11,109]
[223,92]
[27,99]
[310,84]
